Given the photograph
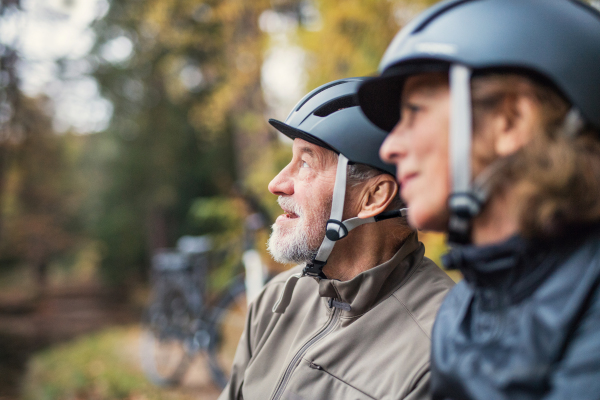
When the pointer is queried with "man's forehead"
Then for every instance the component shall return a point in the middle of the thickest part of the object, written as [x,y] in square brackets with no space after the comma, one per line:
[301,145]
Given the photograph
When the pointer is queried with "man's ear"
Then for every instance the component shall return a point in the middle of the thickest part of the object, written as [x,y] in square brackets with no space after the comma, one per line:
[514,126]
[377,195]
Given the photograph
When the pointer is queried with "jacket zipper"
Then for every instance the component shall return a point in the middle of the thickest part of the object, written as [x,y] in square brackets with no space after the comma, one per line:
[298,356]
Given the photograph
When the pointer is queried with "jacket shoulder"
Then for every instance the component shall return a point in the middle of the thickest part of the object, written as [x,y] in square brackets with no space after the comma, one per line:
[423,293]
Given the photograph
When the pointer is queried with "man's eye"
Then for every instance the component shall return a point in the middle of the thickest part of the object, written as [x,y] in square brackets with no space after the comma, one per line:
[304,164]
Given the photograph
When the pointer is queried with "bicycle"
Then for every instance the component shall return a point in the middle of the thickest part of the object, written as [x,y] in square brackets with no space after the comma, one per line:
[181,323]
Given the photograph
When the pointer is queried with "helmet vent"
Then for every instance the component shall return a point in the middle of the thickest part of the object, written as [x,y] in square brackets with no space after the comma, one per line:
[437,13]
[325,87]
[336,105]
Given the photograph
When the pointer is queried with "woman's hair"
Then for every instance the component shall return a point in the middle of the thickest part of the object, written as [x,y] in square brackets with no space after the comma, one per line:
[555,177]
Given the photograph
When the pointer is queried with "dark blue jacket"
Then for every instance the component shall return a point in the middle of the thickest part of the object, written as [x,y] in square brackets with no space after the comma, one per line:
[523,324]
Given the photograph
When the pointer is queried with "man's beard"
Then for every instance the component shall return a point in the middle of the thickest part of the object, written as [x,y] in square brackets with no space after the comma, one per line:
[300,243]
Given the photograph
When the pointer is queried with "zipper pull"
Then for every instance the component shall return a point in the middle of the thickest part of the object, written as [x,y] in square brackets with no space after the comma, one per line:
[339,304]
[315,366]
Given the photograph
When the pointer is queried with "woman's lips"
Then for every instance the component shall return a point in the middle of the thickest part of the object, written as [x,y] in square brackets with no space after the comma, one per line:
[406,178]
[406,184]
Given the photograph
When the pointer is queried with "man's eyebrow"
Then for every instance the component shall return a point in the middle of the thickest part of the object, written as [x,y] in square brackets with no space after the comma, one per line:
[322,156]
[308,150]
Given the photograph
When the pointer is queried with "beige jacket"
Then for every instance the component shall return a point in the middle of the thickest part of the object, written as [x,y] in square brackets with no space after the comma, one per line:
[371,343]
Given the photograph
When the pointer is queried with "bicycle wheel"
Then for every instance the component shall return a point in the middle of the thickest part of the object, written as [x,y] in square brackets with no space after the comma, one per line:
[164,361]
[165,350]
[227,324]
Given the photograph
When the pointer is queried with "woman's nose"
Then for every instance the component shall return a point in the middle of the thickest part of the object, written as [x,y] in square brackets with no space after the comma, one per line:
[393,147]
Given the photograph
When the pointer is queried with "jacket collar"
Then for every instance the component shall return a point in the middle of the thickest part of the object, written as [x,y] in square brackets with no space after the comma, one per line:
[486,265]
[368,288]
[514,267]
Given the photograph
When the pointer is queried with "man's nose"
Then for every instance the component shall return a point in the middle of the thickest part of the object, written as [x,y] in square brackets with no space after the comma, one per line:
[282,184]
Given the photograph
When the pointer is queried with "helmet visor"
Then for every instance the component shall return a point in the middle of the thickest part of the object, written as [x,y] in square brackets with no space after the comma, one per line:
[379,97]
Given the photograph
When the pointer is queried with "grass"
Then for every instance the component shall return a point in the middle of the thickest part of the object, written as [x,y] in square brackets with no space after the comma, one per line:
[100,366]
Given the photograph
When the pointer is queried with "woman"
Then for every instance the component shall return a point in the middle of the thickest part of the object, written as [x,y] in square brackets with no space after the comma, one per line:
[494,113]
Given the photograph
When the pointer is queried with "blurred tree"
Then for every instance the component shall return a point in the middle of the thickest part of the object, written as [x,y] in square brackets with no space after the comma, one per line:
[183,77]
[43,200]
[10,101]
[38,197]
[353,36]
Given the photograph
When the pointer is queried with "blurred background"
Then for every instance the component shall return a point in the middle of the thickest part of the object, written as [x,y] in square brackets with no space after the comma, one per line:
[125,125]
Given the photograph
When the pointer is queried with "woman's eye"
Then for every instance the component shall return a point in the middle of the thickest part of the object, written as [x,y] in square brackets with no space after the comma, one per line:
[304,164]
[409,112]
[413,108]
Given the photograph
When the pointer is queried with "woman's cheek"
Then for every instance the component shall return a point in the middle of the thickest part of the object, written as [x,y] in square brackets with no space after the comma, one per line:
[428,212]
[417,215]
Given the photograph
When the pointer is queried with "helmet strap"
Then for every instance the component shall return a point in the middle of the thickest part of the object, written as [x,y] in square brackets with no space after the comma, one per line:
[464,202]
[573,123]
[334,225]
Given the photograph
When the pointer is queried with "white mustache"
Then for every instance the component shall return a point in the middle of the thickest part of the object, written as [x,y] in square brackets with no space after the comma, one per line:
[289,204]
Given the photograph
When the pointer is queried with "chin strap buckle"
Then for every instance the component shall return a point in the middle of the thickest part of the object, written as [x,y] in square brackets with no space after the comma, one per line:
[315,269]
[463,208]
[336,230]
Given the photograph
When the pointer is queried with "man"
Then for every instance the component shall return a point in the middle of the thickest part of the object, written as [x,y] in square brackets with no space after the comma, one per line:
[353,320]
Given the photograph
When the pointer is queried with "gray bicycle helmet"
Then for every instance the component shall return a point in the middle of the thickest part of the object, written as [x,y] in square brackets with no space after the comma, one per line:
[329,117]
[556,41]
